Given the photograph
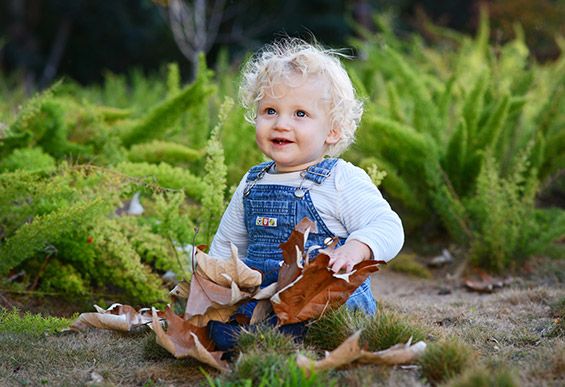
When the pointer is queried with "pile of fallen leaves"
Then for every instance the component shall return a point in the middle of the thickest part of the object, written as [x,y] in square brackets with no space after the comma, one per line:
[305,290]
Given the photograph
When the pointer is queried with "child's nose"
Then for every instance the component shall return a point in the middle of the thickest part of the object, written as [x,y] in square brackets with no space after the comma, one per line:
[283,123]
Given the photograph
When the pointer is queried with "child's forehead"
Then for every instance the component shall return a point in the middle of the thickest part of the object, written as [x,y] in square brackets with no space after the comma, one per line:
[281,84]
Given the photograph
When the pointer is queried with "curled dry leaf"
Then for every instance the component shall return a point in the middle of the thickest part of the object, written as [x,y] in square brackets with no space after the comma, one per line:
[216,287]
[346,353]
[292,251]
[181,290]
[225,271]
[261,311]
[397,354]
[350,352]
[117,317]
[486,283]
[210,301]
[182,339]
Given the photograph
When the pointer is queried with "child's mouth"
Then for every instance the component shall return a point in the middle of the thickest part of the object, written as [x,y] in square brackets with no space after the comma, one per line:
[281,141]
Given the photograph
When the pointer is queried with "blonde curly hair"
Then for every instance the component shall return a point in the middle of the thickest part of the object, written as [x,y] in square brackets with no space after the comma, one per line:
[288,57]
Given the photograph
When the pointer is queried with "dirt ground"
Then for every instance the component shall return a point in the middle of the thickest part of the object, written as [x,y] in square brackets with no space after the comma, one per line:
[510,328]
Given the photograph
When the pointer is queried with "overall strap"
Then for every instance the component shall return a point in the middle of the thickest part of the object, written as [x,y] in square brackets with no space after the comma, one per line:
[255,171]
[320,172]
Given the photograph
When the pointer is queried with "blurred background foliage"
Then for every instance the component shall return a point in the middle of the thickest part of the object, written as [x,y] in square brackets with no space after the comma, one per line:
[41,40]
[466,123]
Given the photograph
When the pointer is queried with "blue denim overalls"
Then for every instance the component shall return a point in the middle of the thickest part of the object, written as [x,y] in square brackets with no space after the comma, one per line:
[271,212]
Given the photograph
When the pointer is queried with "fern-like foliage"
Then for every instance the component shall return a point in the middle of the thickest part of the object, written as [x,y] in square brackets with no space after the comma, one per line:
[162,151]
[46,230]
[162,117]
[215,179]
[165,176]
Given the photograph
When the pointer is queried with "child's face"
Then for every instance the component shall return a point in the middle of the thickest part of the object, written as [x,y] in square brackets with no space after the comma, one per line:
[293,123]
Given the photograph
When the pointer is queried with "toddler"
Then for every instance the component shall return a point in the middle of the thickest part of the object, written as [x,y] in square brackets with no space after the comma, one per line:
[304,108]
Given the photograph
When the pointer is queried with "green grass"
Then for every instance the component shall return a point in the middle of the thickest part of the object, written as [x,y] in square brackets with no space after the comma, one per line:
[265,338]
[445,359]
[330,330]
[12,321]
[379,332]
[481,377]
[558,313]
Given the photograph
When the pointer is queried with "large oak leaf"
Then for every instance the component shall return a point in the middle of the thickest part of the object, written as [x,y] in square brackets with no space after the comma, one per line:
[318,289]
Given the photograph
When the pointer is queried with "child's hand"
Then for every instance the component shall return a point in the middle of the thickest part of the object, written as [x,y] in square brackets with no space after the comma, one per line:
[349,255]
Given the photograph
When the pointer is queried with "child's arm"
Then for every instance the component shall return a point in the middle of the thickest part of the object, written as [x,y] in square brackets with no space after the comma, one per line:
[232,227]
[375,230]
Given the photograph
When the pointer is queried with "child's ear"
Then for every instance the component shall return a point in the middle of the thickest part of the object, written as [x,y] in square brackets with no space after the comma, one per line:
[333,136]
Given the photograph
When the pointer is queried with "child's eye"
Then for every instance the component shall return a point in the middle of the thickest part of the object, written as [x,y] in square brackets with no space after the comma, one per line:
[301,113]
[270,111]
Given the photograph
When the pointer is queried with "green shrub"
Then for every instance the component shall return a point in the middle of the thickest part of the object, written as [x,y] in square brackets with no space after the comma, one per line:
[161,151]
[29,159]
[440,120]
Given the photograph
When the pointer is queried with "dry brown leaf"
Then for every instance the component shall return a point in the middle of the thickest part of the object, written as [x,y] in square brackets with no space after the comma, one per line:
[221,314]
[350,351]
[117,317]
[181,290]
[261,311]
[397,354]
[225,271]
[183,339]
[292,251]
[346,353]
[318,289]
[266,292]
[210,301]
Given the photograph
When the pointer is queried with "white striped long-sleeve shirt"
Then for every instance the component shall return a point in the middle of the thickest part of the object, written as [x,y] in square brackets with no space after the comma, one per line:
[348,202]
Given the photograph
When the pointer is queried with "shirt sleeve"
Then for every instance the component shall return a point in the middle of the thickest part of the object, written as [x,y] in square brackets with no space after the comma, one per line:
[366,215]
[232,227]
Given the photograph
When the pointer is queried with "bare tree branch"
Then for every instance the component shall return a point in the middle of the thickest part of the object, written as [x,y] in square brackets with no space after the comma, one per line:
[56,53]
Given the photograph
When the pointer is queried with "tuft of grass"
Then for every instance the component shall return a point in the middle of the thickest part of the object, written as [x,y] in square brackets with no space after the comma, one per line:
[273,369]
[387,329]
[482,377]
[558,313]
[407,264]
[378,332]
[445,359]
[12,321]
[330,330]
[265,338]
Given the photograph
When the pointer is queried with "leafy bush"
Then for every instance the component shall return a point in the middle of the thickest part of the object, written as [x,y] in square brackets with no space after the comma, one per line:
[439,121]
[467,134]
